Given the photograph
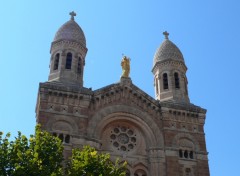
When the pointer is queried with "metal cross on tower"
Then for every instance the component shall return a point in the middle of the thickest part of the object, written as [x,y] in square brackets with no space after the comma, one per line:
[166,34]
[73,14]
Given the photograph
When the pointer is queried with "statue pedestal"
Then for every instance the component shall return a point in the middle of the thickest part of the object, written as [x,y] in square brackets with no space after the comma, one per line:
[125,81]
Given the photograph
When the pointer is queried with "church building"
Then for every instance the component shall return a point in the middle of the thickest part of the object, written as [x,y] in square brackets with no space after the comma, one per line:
[161,136]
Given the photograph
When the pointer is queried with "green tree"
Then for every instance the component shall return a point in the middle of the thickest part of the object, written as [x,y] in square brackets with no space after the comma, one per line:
[88,162]
[40,155]
[5,164]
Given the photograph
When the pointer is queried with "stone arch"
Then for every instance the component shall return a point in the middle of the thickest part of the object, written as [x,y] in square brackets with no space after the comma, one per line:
[140,165]
[186,136]
[136,168]
[140,168]
[140,172]
[69,123]
[60,51]
[166,70]
[186,143]
[70,50]
[102,118]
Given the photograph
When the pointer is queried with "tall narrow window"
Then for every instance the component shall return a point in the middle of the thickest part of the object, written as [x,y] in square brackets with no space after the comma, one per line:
[185,84]
[191,154]
[180,153]
[176,77]
[165,81]
[56,62]
[79,69]
[185,154]
[69,61]
[67,139]
[156,82]
[60,137]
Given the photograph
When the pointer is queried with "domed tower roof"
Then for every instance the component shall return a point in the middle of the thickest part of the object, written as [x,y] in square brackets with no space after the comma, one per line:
[167,50]
[68,51]
[169,71]
[70,31]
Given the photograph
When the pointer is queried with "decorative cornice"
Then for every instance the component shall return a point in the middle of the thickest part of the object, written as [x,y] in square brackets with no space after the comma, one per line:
[71,88]
[170,62]
[183,106]
[70,44]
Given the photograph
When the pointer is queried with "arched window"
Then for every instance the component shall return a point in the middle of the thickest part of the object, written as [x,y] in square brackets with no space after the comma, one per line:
[67,139]
[180,153]
[191,154]
[176,77]
[60,137]
[140,172]
[186,149]
[79,69]
[185,154]
[165,81]
[69,61]
[56,62]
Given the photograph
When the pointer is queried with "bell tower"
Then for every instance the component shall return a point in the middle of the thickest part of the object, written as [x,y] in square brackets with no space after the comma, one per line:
[169,71]
[68,51]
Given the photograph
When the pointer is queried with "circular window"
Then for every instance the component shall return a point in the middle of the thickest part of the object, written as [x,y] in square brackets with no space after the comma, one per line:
[115,144]
[113,136]
[116,130]
[123,148]
[130,146]
[130,132]
[122,138]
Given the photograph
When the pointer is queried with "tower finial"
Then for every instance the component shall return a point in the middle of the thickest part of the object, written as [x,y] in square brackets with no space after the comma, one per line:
[73,14]
[166,34]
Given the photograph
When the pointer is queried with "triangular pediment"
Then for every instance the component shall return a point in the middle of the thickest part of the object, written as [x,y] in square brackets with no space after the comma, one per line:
[125,92]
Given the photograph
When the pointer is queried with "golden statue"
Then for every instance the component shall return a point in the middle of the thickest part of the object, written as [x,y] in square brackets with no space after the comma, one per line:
[125,63]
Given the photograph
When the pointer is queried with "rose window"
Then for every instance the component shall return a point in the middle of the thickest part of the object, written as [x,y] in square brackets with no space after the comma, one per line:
[123,138]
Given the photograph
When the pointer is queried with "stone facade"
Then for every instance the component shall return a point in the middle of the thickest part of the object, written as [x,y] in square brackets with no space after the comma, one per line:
[157,137]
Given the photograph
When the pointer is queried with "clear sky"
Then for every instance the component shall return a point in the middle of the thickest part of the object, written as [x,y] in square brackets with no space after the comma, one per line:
[207,32]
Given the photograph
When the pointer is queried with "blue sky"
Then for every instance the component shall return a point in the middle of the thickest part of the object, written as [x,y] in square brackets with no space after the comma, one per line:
[207,33]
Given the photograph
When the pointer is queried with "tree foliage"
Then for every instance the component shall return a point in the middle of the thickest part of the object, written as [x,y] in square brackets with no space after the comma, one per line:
[88,162]
[42,155]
